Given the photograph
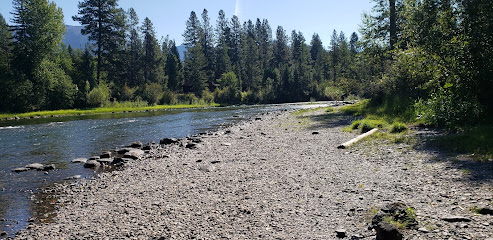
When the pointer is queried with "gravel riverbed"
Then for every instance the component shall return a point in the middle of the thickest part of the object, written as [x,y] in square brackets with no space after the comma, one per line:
[279,176]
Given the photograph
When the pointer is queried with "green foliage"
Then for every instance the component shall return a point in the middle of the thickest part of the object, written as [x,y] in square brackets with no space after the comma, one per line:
[152,93]
[366,124]
[230,91]
[169,98]
[97,96]
[125,104]
[398,127]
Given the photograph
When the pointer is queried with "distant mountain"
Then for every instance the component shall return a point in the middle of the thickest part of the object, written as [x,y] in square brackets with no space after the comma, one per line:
[181,50]
[74,38]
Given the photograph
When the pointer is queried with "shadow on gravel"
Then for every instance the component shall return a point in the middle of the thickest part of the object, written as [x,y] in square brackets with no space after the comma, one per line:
[329,120]
[472,168]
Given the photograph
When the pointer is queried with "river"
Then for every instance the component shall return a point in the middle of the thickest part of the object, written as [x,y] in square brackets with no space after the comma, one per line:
[60,140]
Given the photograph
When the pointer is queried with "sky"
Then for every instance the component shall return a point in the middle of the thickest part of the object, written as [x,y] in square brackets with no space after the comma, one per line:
[307,16]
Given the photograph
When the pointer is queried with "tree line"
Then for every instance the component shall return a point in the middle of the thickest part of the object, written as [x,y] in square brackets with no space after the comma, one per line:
[426,58]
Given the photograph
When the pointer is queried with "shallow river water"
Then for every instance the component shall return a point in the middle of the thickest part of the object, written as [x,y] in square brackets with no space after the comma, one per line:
[60,140]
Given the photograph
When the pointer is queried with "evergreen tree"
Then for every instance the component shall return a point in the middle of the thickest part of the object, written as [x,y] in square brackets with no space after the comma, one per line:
[207,43]
[251,67]
[135,52]
[281,48]
[99,18]
[174,69]
[152,59]
[223,32]
[234,46]
[195,62]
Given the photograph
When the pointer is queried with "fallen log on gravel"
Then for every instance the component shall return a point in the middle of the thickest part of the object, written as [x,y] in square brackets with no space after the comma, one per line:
[357,139]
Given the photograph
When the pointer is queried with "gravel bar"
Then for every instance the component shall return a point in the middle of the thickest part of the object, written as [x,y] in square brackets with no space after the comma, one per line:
[276,176]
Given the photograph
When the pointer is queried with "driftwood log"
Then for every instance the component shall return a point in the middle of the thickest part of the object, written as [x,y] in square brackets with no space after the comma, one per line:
[357,139]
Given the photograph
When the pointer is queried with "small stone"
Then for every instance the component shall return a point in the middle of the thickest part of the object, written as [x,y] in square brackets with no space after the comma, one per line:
[423,229]
[136,145]
[80,160]
[258,119]
[341,233]
[37,166]
[22,169]
[92,164]
[105,161]
[215,162]
[134,154]
[315,133]
[73,177]
[463,225]
[94,158]
[226,144]
[486,211]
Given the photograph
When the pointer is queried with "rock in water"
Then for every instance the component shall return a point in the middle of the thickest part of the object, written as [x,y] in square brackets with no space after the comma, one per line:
[136,145]
[168,141]
[22,169]
[80,160]
[92,164]
[37,166]
[134,154]
[49,167]
[105,155]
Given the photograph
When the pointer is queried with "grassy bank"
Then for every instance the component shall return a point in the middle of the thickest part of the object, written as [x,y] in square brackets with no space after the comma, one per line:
[394,121]
[103,110]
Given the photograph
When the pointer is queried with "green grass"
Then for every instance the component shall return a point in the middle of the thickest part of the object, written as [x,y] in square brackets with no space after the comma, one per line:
[476,141]
[103,110]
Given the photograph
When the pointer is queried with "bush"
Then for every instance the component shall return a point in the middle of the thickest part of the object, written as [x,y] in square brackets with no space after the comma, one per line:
[97,96]
[188,98]
[398,127]
[169,98]
[367,124]
[207,97]
[152,93]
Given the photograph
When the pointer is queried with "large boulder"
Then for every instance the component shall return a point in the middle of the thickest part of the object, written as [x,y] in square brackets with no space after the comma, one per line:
[105,155]
[390,218]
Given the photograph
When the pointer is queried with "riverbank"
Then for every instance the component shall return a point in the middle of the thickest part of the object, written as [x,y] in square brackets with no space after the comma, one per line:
[276,176]
[101,110]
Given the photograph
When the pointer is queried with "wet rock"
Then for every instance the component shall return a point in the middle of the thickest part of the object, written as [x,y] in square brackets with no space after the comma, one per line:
[73,177]
[258,119]
[49,167]
[134,154]
[196,140]
[147,147]
[168,141]
[36,166]
[105,161]
[92,164]
[80,160]
[94,158]
[105,155]
[341,233]
[123,150]
[387,231]
[191,146]
[22,169]
[136,145]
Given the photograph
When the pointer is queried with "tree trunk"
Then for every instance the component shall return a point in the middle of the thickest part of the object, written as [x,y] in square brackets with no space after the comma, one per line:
[393,27]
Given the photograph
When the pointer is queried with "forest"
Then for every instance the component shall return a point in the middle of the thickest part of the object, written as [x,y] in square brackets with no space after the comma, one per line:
[425,59]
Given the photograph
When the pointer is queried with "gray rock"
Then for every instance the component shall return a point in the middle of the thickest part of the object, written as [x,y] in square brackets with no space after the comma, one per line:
[341,233]
[49,167]
[206,168]
[123,150]
[22,169]
[105,160]
[423,229]
[136,145]
[94,158]
[191,145]
[73,177]
[226,144]
[92,164]
[37,166]
[134,154]
[105,155]
[387,231]
[80,160]
[168,141]
[456,219]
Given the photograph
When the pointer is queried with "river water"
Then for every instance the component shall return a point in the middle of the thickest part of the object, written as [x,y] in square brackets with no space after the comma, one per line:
[60,140]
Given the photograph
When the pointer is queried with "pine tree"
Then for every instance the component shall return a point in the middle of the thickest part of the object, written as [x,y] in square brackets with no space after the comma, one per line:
[99,18]
[195,62]
[174,69]
[135,52]
[152,59]
[207,42]
[316,47]
[223,36]
[281,48]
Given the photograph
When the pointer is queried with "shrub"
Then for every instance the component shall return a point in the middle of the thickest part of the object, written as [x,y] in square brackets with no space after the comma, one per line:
[367,124]
[169,98]
[398,127]
[97,96]
[152,93]
[188,98]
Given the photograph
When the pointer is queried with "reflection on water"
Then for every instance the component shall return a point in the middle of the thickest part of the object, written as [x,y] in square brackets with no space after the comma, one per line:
[58,141]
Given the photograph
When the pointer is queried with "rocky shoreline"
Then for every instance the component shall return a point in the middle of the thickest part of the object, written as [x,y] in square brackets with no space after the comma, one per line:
[278,176]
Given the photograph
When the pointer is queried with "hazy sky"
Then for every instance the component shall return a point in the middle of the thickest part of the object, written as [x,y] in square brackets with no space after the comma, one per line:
[307,16]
